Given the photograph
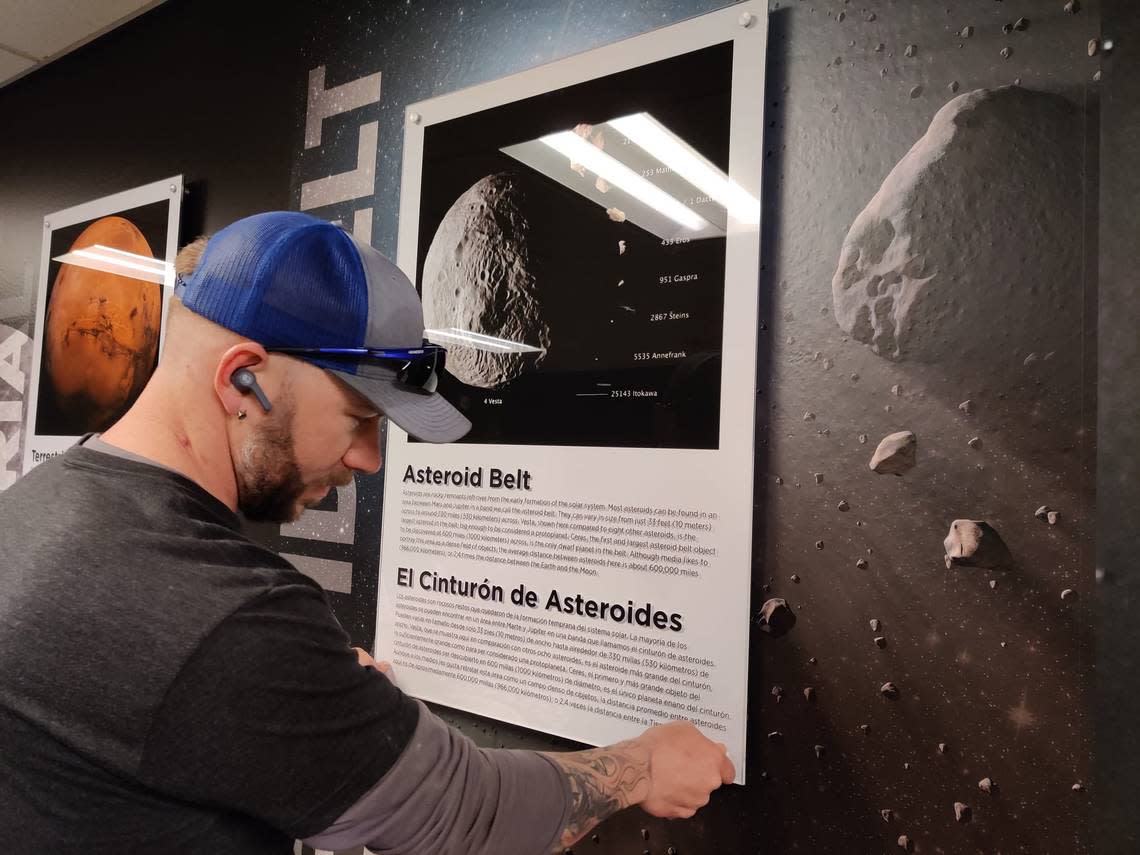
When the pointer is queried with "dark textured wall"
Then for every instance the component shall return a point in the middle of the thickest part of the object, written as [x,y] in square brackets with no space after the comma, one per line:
[1002,676]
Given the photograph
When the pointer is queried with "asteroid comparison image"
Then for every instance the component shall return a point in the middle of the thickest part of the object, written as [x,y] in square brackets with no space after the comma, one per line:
[101,331]
[575,313]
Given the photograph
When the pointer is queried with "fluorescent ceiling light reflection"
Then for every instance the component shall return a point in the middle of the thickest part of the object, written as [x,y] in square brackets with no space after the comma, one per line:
[110,260]
[479,341]
[617,173]
[667,147]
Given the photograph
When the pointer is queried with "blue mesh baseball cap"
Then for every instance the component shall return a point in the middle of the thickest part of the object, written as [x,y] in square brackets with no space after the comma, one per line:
[290,280]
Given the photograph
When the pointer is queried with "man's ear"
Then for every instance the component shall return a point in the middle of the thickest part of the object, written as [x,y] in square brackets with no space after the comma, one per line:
[249,355]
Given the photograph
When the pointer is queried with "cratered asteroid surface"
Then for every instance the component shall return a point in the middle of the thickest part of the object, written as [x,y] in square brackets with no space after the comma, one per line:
[975,543]
[479,276]
[972,245]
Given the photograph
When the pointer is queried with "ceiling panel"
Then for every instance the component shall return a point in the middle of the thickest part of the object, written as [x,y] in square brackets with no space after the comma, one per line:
[46,29]
[12,65]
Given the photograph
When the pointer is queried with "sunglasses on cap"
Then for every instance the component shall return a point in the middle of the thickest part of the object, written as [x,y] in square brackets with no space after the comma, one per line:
[419,367]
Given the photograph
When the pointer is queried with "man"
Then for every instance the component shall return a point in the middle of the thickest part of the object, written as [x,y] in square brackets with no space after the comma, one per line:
[168,685]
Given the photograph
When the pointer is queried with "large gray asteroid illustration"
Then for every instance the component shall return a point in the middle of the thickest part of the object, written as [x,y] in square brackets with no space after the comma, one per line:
[479,276]
[972,245]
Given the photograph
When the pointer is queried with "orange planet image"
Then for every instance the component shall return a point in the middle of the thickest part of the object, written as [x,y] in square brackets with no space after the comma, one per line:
[101,331]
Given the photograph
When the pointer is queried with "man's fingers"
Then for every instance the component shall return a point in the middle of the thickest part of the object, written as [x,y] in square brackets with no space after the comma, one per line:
[727,770]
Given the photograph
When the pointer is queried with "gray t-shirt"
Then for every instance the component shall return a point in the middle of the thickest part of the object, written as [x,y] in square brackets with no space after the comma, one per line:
[168,685]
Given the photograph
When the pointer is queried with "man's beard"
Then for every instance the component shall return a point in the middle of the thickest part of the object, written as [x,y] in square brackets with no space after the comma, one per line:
[269,478]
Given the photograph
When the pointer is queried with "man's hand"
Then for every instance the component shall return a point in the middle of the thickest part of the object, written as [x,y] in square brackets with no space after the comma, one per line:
[669,770]
[367,661]
[685,766]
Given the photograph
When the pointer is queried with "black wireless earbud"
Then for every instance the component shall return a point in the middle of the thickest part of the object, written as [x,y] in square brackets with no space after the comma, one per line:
[245,382]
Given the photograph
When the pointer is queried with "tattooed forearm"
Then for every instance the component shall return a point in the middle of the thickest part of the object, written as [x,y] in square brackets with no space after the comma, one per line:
[602,781]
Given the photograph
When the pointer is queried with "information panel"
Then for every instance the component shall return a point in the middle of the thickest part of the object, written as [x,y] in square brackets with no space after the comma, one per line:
[585,237]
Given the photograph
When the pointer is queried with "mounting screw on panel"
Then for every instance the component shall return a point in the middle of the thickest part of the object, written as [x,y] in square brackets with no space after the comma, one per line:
[173,188]
[415,118]
[747,19]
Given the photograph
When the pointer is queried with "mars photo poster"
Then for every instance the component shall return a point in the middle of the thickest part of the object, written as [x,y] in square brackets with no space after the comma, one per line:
[100,310]
[577,280]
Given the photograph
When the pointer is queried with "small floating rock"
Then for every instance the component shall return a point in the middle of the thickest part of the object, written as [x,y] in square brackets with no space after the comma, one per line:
[865,728]
[863,439]
[1021,25]
[812,661]
[895,454]
[809,695]
[915,91]
[966,32]
[1094,47]
[889,690]
[974,442]
[966,406]
[776,617]
[1052,516]
[1072,7]
[887,814]
[795,577]
[911,50]
[1078,787]
[843,506]
[818,477]
[1068,594]
[775,736]
[896,390]
[820,751]
[879,47]
[1042,513]
[904,843]
[1006,29]
[779,481]
[975,543]
[1006,53]
[819,544]
[953,87]
[941,747]
[880,641]
[986,785]
[862,564]
[876,624]
[778,693]
[962,812]
[809,416]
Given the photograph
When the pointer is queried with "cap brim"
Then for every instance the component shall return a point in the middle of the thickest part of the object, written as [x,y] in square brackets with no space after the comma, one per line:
[426,416]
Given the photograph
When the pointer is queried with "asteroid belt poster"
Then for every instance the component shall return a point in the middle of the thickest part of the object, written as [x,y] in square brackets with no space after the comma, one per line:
[585,237]
[106,270]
